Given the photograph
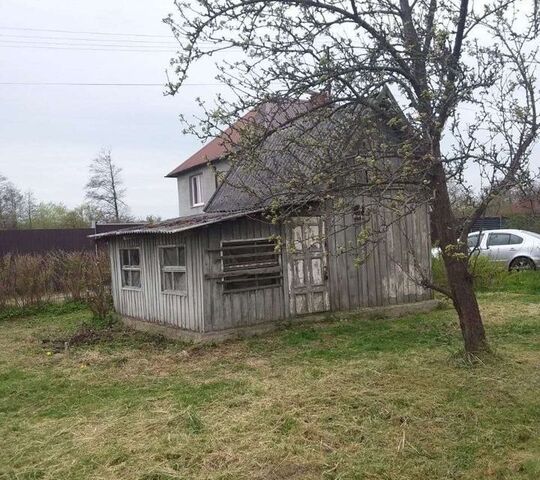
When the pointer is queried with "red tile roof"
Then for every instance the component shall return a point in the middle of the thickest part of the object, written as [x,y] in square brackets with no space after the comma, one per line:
[270,113]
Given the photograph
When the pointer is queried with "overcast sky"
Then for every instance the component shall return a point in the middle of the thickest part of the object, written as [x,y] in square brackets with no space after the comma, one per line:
[49,134]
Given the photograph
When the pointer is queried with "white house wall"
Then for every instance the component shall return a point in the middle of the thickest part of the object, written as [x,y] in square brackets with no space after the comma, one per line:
[208,185]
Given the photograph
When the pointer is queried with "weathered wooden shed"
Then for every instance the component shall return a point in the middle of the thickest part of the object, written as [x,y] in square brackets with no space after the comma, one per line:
[229,270]
[217,275]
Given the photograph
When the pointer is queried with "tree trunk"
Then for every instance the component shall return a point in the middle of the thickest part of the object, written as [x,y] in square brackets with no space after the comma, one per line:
[455,259]
[466,305]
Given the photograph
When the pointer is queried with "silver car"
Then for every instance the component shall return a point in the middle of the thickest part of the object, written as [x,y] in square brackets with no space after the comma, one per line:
[518,249]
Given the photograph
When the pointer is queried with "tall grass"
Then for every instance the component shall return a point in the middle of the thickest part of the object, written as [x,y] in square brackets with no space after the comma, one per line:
[492,276]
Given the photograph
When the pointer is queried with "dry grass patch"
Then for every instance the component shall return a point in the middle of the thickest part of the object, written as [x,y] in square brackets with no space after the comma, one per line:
[339,400]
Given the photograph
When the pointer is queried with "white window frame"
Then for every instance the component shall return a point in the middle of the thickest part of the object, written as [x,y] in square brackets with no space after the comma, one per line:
[130,268]
[172,269]
[195,186]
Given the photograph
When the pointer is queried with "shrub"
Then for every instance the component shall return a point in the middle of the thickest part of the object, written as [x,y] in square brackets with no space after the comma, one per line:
[26,280]
[70,272]
[97,285]
[487,274]
[28,283]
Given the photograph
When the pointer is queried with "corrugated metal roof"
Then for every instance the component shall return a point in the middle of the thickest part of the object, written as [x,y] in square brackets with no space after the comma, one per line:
[176,225]
[289,154]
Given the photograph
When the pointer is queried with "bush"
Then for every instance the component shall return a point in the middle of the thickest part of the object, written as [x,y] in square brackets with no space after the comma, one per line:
[97,285]
[487,274]
[28,283]
[25,280]
[69,273]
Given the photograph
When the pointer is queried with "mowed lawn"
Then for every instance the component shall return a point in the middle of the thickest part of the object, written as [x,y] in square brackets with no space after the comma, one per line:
[345,399]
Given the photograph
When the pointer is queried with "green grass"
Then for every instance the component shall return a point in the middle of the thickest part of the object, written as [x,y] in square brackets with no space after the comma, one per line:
[491,276]
[345,399]
[47,309]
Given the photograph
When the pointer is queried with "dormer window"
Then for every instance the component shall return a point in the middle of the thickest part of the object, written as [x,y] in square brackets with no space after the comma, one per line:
[195,189]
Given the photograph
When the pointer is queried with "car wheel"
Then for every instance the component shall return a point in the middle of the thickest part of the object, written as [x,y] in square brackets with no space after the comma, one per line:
[522,263]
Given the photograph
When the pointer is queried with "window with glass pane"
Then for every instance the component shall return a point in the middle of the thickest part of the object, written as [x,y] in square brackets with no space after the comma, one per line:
[496,239]
[130,262]
[196,190]
[473,241]
[515,240]
[173,269]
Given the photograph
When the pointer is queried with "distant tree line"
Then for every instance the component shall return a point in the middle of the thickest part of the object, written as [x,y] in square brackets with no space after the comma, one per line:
[104,202]
[520,206]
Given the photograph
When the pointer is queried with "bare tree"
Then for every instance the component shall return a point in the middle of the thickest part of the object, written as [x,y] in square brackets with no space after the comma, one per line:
[459,70]
[105,190]
[11,204]
[30,208]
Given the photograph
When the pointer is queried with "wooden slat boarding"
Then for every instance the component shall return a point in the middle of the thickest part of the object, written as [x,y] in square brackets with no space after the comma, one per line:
[149,303]
[224,310]
[387,276]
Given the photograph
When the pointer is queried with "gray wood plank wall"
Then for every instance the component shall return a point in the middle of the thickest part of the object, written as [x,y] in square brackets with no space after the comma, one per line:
[238,309]
[386,276]
[382,274]
[149,303]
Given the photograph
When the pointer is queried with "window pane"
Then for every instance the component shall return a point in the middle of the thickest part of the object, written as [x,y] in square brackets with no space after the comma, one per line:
[135,278]
[181,256]
[195,186]
[125,278]
[179,281]
[124,257]
[515,240]
[498,239]
[170,257]
[474,241]
[167,281]
[134,255]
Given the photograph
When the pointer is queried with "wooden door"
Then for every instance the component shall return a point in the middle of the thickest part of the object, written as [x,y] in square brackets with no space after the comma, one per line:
[308,282]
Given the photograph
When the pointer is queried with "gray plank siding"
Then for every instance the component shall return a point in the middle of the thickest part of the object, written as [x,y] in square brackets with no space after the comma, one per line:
[245,308]
[149,303]
[386,276]
[389,273]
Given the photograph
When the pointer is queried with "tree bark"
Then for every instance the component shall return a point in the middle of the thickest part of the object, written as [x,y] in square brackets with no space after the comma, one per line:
[455,257]
[466,305]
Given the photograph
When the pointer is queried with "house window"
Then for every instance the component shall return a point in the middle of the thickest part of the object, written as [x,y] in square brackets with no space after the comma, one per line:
[250,265]
[195,189]
[173,269]
[130,262]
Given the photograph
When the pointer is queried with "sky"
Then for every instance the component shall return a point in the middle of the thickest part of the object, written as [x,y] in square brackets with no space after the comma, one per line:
[49,134]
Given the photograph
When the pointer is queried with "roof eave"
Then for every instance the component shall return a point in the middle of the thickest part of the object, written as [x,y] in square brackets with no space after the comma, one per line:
[164,231]
[180,171]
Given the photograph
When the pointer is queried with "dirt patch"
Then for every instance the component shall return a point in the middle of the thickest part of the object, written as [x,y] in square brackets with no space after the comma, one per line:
[85,335]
